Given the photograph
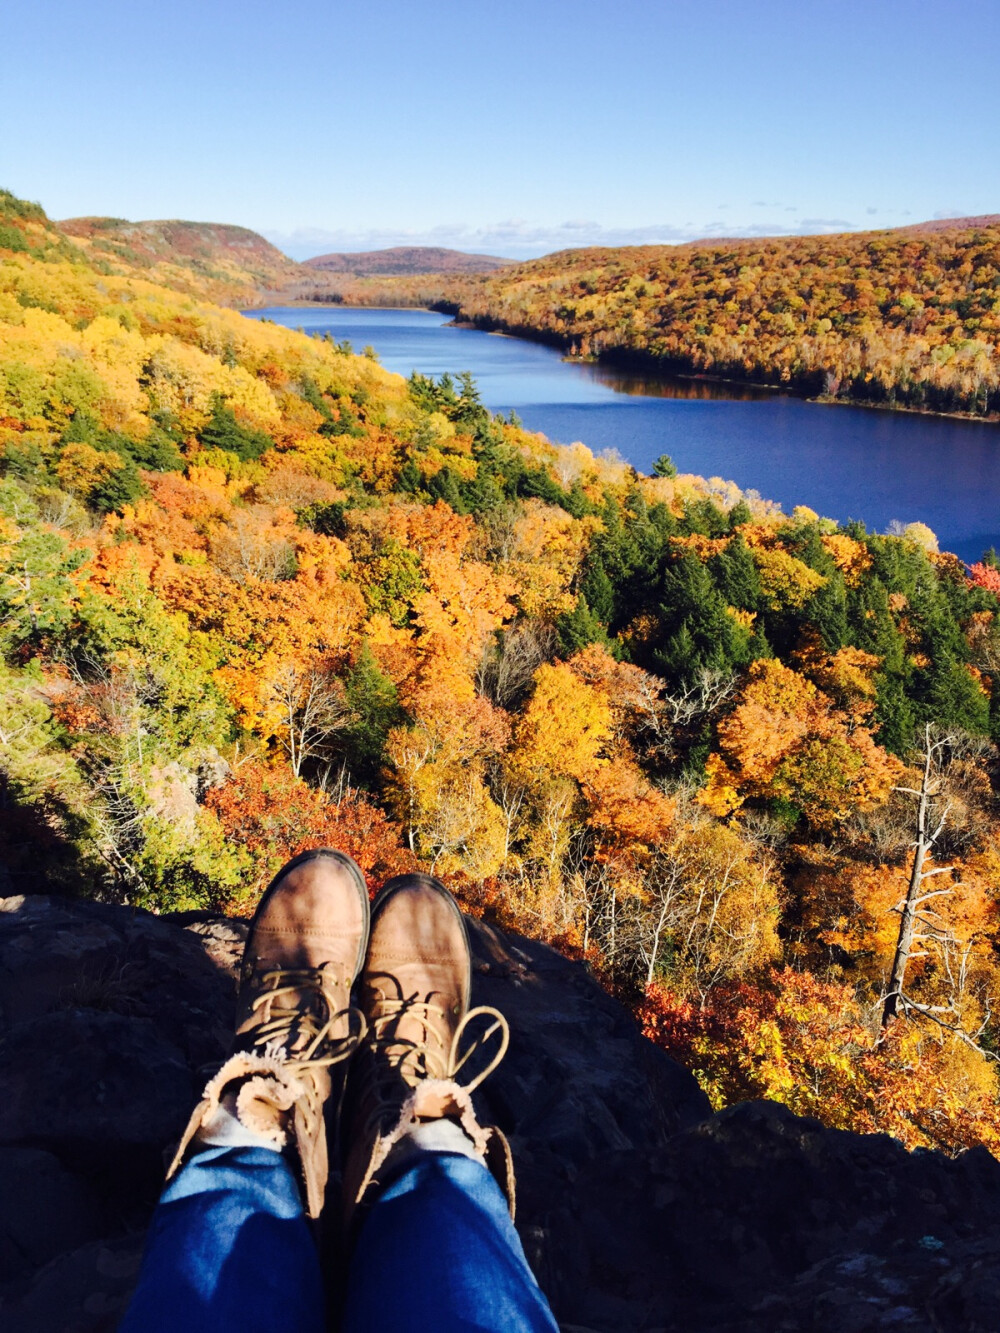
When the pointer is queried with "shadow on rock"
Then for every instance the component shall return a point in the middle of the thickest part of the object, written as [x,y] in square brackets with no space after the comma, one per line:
[639,1209]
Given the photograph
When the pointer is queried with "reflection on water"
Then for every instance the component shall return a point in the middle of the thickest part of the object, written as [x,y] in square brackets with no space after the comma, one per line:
[844,462]
[691,387]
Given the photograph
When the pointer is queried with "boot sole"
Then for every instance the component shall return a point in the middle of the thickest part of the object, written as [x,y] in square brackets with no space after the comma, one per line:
[399,882]
[349,864]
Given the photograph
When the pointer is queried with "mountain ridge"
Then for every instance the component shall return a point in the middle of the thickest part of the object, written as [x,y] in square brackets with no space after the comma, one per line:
[900,318]
[215,259]
[404,260]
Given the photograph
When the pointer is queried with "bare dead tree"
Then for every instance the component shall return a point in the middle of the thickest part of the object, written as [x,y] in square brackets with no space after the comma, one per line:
[249,547]
[511,794]
[664,886]
[589,892]
[416,751]
[509,663]
[709,690]
[313,710]
[913,910]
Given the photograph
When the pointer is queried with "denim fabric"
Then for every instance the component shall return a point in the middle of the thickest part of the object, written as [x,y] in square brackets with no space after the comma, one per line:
[229,1248]
[438,1252]
[230,1251]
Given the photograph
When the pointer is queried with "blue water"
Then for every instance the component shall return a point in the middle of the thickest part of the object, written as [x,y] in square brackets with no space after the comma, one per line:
[844,462]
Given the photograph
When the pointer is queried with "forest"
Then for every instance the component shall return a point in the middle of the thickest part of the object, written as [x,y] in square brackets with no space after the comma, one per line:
[907,318]
[257,594]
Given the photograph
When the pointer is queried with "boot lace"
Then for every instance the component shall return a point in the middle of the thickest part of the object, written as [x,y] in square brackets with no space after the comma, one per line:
[400,1062]
[299,1016]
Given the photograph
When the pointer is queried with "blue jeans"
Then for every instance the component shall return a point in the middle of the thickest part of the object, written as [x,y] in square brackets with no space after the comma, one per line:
[230,1251]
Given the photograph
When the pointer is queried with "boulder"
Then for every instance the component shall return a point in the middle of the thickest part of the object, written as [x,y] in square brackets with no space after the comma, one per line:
[638,1207]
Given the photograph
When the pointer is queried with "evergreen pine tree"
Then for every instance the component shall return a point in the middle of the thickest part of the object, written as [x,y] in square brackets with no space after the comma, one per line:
[444,486]
[954,698]
[698,631]
[827,610]
[579,627]
[223,431]
[736,575]
[596,588]
[894,713]
[373,700]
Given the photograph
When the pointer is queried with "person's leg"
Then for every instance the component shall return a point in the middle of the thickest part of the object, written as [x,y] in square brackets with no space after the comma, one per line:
[435,1242]
[229,1248]
[438,1251]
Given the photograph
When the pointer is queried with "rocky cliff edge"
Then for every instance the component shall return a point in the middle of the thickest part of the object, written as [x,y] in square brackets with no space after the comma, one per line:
[639,1209]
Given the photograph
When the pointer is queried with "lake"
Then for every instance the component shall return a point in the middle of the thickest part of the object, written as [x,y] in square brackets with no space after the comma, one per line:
[844,462]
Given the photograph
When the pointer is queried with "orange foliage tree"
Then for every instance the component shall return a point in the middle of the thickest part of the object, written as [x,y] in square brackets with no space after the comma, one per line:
[786,739]
[811,1045]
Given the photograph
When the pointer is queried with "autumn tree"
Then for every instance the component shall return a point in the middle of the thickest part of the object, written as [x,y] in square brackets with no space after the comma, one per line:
[310,709]
[785,740]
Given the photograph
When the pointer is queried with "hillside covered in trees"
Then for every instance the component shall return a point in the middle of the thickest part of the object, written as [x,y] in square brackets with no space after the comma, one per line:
[257,593]
[901,318]
[234,266]
[229,265]
[406,259]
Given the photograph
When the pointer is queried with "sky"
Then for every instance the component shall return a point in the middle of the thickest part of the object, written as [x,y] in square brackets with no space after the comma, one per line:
[514,127]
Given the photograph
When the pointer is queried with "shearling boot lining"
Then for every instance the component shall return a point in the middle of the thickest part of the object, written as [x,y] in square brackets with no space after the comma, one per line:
[435,1099]
[431,1099]
[260,1102]
[268,1090]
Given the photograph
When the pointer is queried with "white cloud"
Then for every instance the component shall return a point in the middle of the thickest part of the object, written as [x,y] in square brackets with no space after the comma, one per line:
[517,238]
[810,226]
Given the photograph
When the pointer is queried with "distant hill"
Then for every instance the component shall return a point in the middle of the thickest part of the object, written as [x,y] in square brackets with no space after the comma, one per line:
[899,317]
[236,266]
[402,260]
[954,224]
[199,243]
[25,228]
[225,263]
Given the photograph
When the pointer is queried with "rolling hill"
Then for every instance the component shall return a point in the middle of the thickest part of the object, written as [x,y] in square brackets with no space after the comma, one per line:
[902,317]
[404,260]
[224,263]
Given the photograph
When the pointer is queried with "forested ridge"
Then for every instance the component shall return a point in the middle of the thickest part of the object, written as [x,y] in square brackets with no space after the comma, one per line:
[405,260]
[901,318]
[229,265]
[257,593]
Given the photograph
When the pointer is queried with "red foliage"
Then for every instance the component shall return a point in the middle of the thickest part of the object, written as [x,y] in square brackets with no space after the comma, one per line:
[274,816]
[805,1042]
[986,576]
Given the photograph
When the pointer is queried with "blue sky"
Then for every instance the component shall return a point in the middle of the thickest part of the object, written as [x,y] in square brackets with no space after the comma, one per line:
[510,127]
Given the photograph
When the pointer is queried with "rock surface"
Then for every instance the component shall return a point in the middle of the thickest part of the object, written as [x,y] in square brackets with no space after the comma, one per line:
[638,1208]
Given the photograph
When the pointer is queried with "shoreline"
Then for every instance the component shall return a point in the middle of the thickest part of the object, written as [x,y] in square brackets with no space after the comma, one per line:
[643,365]
[822,400]
[648,366]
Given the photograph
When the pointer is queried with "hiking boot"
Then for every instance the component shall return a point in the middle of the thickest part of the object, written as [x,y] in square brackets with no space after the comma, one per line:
[405,1092]
[295,1027]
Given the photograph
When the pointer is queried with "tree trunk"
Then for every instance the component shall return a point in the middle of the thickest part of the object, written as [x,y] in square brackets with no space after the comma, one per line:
[929,786]
[904,941]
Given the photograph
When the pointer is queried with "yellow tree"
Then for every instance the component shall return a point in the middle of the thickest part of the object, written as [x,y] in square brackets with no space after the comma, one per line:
[786,740]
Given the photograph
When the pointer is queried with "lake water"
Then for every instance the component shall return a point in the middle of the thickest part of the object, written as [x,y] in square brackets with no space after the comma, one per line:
[844,462]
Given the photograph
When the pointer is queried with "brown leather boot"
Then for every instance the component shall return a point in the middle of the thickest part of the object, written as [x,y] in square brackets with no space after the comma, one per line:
[414,994]
[295,1028]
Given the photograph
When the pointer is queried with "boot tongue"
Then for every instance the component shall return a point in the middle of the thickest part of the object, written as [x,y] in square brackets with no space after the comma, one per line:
[417,1040]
